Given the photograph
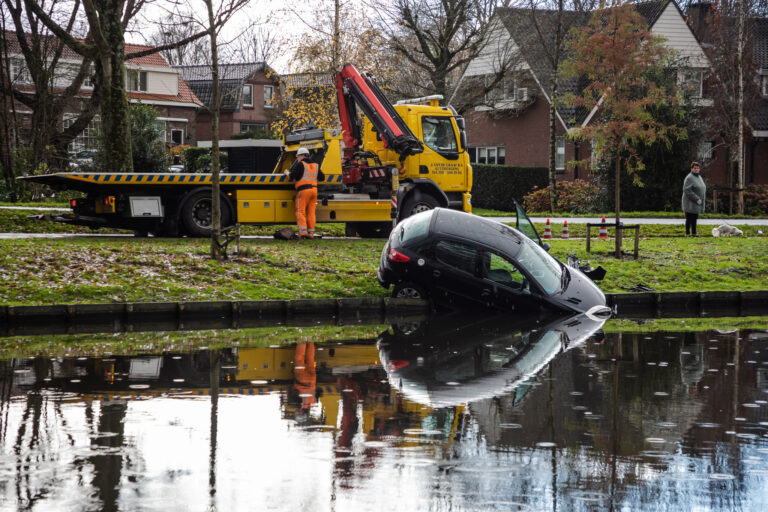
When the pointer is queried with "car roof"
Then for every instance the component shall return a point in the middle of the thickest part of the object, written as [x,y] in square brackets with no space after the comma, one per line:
[475,228]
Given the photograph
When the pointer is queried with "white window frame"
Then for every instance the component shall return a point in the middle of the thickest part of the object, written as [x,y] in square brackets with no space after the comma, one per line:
[498,153]
[269,98]
[560,153]
[133,78]
[87,139]
[19,71]
[162,126]
[696,92]
[704,151]
[248,96]
[179,130]
[764,88]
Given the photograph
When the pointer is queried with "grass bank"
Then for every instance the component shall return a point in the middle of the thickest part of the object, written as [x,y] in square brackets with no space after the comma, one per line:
[124,269]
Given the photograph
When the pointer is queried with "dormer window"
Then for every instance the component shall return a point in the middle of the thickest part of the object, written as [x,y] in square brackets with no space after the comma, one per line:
[137,80]
[247,95]
[20,72]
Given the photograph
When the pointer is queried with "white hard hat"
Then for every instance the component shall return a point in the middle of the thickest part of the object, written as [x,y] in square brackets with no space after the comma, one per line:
[302,151]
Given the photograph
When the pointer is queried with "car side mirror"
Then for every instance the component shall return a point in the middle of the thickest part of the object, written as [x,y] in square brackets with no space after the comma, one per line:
[546,246]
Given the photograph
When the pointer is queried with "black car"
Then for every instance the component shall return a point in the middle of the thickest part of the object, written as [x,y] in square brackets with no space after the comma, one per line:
[459,261]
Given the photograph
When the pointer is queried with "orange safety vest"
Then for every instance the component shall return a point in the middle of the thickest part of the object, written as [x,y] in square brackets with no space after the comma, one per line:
[309,179]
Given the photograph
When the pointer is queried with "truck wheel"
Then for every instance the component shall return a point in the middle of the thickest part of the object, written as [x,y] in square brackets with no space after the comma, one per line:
[417,204]
[196,214]
[409,291]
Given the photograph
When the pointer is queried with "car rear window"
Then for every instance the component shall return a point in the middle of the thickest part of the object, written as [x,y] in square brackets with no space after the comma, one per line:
[415,227]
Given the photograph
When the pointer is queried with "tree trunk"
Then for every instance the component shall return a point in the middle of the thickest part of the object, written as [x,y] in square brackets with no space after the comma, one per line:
[115,121]
[740,100]
[553,149]
[336,57]
[617,197]
[216,252]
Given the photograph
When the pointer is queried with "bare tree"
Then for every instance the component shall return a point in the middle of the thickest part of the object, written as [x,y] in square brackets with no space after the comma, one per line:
[39,72]
[552,21]
[258,43]
[105,46]
[727,27]
[168,32]
[437,38]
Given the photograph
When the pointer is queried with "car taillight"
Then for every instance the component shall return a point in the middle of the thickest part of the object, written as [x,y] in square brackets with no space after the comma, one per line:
[397,256]
[72,203]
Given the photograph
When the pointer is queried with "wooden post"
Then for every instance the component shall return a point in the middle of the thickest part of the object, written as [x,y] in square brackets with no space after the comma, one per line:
[589,231]
[637,241]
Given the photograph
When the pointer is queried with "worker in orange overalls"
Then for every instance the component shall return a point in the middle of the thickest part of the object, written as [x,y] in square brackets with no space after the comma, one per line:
[304,374]
[306,174]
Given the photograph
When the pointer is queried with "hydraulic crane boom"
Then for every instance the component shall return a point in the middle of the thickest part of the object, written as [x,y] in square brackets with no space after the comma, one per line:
[353,88]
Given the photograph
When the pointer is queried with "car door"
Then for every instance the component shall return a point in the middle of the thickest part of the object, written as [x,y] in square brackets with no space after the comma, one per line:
[453,267]
[509,286]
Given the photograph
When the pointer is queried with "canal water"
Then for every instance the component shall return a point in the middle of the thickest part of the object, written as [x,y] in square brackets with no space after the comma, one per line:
[448,414]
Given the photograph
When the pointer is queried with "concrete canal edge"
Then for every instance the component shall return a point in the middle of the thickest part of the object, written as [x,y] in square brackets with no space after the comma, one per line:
[156,316]
[689,304]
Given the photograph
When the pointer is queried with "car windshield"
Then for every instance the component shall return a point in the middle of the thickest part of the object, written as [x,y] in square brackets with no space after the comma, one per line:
[543,268]
[439,134]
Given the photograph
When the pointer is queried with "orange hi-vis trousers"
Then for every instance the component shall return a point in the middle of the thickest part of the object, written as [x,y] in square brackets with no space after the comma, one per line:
[306,201]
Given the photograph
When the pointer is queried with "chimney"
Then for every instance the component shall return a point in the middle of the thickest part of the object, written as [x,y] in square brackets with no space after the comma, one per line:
[699,18]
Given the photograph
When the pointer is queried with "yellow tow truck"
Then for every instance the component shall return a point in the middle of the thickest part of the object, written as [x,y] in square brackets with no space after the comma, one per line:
[400,160]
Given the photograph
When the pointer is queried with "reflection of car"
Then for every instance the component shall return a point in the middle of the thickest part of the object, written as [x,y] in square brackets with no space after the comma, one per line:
[460,260]
[176,168]
[452,360]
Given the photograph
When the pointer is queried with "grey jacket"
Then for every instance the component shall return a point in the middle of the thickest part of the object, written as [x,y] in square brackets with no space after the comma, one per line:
[694,189]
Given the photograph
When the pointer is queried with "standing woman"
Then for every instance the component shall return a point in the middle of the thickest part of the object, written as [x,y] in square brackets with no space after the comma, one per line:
[694,194]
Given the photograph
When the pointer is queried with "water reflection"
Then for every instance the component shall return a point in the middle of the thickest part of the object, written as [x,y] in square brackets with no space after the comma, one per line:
[453,414]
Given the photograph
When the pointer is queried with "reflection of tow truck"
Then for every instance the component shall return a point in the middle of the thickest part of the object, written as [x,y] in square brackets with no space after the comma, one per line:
[411,154]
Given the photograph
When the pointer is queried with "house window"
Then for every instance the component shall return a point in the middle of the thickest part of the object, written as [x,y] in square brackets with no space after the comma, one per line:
[177,136]
[257,127]
[137,80]
[691,83]
[247,95]
[87,139]
[765,85]
[20,72]
[560,153]
[487,155]
[269,92]
[160,127]
[504,90]
[705,150]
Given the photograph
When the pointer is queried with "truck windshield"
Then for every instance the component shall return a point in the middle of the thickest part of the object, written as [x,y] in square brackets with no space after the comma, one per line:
[438,134]
[543,268]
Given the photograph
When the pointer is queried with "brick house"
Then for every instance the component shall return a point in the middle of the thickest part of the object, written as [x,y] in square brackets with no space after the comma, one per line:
[152,81]
[248,97]
[149,80]
[756,140]
[512,126]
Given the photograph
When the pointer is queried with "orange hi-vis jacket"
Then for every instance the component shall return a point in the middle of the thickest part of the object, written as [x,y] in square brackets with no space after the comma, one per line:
[309,179]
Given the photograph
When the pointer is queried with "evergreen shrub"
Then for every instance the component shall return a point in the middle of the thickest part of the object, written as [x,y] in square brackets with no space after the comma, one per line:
[493,186]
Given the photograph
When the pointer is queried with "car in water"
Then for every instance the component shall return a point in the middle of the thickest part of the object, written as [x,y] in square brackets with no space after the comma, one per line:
[461,261]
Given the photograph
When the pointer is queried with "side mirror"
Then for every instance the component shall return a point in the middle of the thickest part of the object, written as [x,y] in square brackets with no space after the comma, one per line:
[546,246]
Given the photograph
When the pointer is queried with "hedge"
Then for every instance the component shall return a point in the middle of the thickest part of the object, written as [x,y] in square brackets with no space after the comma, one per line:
[494,185]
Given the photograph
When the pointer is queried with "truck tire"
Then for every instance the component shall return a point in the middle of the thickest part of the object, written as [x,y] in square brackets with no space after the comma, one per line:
[416,204]
[196,215]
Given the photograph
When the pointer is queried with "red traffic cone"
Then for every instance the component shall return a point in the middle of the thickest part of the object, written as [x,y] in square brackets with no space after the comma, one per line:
[565,229]
[603,233]
[547,231]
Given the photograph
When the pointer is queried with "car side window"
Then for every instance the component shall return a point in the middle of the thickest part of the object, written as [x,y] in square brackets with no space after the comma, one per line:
[500,270]
[456,254]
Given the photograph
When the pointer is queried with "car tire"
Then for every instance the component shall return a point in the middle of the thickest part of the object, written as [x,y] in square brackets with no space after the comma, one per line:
[196,214]
[409,291]
[417,203]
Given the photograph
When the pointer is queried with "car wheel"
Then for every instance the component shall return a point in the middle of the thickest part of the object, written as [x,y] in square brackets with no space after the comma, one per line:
[409,291]
[417,204]
[196,214]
